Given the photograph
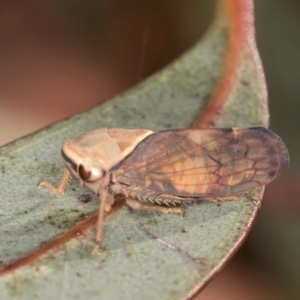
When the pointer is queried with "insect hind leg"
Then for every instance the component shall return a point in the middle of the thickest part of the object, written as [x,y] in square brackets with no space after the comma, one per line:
[134,204]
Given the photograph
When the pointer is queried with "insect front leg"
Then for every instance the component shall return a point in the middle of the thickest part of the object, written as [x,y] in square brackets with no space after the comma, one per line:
[106,200]
[134,204]
[62,185]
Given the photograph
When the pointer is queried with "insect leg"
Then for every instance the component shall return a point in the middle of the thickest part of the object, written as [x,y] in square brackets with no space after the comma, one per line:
[62,185]
[105,205]
[109,202]
[166,210]
[99,234]
[223,199]
[256,202]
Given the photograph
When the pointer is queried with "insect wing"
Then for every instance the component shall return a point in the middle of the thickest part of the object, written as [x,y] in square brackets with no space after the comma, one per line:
[204,163]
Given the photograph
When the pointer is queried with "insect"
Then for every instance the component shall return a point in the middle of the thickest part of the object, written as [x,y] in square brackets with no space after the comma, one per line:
[154,169]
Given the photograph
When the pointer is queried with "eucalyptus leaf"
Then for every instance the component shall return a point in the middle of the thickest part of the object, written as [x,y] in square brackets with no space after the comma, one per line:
[144,255]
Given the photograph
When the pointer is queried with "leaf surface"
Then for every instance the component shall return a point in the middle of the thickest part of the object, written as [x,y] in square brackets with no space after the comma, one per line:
[46,240]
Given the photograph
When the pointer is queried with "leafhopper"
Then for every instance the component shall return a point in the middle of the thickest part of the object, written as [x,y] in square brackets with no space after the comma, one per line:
[156,169]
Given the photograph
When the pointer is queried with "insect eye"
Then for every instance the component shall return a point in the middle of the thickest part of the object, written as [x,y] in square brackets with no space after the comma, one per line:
[89,171]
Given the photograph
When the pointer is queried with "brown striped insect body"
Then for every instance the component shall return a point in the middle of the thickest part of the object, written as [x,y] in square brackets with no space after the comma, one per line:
[171,166]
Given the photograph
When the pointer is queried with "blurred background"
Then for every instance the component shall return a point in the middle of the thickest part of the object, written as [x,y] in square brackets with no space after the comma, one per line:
[60,57]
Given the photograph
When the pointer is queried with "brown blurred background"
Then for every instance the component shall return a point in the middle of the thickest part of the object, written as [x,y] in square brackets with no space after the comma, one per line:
[59,57]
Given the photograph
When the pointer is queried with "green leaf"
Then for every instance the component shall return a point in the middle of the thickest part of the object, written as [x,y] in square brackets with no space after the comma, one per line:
[144,255]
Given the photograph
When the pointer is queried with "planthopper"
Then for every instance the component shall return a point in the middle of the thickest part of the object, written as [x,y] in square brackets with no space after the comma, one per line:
[159,170]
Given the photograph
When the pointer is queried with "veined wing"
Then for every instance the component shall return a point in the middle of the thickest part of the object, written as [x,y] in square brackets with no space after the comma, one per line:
[204,163]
